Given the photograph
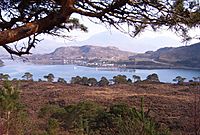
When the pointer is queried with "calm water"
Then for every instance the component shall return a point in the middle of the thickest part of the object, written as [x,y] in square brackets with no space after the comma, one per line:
[17,69]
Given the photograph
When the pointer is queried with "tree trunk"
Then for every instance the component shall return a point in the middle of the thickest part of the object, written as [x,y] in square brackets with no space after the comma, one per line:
[7,122]
[39,26]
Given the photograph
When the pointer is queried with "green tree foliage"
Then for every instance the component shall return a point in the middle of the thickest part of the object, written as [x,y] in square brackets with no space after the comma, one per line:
[4,76]
[14,79]
[29,18]
[50,77]
[153,78]
[21,122]
[48,110]
[179,79]
[119,119]
[53,127]
[9,96]
[103,82]
[61,80]
[84,81]
[8,102]
[39,80]
[1,76]
[92,82]
[27,76]
[120,79]
[136,78]
[196,79]
[76,80]
[129,81]
[11,110]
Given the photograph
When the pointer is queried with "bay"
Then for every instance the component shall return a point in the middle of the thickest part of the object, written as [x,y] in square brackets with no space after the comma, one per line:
[16,69]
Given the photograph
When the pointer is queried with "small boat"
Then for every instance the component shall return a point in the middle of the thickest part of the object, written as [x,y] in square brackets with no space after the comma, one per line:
[75,67]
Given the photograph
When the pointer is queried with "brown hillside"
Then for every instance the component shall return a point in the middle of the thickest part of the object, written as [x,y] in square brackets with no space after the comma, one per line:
[171,105]
[85,52]
[184,56]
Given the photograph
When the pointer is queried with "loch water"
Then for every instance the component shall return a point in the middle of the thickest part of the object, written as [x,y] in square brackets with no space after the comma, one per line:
[17,69]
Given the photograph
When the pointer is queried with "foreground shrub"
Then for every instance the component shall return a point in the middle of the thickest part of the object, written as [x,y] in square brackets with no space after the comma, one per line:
[13,116]
[92,119]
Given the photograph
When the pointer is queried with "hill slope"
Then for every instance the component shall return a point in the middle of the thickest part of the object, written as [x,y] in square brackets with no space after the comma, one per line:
[85,52]
[170,105]
[1,63]
[181,56]
[185,56]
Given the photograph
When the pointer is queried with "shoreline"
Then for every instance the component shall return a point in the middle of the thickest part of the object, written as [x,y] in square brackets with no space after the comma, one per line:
[144,67]
[17,69]
[160,67]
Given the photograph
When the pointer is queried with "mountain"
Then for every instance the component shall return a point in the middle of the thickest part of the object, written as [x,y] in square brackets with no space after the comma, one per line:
[185,56]
[125,42]
[84,52]
[1,63]
[167,57]
[142,43]
[139,44]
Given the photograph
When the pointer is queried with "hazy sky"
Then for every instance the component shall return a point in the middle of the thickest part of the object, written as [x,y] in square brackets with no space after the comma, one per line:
[98,28]
[100,35]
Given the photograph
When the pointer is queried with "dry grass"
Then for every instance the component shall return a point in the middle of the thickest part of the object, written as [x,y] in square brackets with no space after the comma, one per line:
[171,105]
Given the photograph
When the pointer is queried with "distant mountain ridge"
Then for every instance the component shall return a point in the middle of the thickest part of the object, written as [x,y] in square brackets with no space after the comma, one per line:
[168,57]
[85,52]
[1,63]
[187,56]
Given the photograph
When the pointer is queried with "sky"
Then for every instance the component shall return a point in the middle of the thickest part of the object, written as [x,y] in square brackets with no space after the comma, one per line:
[99,35]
